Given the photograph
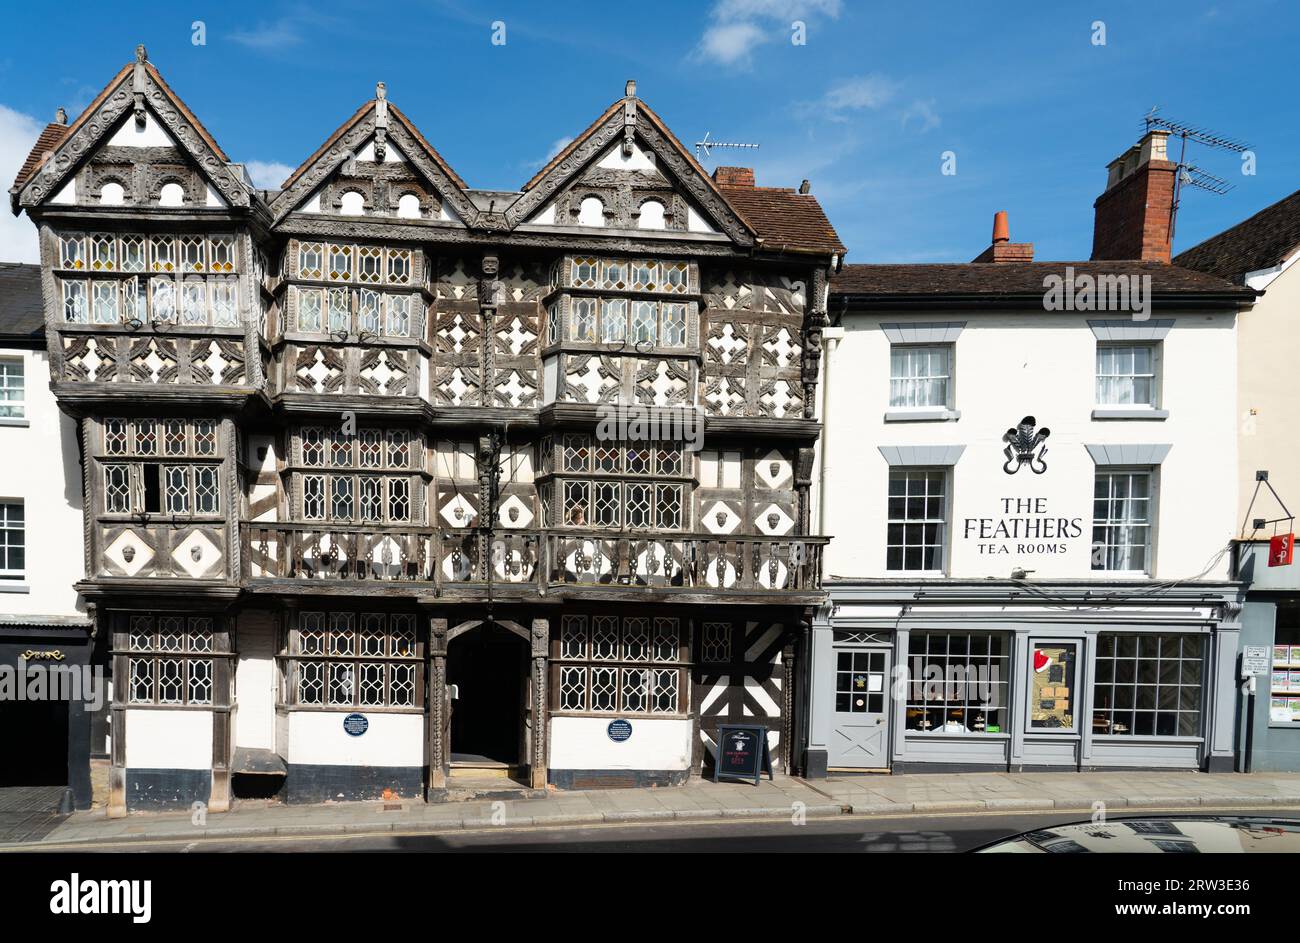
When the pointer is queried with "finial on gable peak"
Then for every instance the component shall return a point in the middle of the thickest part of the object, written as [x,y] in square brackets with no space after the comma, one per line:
[381,121]
[60,116]
[629,91]
[138,85]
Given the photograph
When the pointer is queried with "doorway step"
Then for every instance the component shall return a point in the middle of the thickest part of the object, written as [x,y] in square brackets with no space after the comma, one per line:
[483,778]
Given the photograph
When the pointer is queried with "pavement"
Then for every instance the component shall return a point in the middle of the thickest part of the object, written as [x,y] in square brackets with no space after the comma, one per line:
[701,800]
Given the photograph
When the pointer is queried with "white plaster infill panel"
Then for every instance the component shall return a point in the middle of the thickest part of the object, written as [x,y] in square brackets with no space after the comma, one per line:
[168,739]
[657,743]
[317,738]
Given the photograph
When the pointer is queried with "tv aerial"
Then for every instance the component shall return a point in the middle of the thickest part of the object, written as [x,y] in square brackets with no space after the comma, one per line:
[1190,174]
[704,148]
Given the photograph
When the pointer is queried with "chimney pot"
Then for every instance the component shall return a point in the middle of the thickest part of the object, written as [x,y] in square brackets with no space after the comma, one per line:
[1001,227]
[1002,249]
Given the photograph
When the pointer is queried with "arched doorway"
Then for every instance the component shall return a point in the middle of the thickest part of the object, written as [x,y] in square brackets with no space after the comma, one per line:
[487,673]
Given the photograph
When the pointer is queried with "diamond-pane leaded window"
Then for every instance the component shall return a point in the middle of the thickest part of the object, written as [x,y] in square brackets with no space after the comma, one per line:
[345,659]
[170,660]
[607,671]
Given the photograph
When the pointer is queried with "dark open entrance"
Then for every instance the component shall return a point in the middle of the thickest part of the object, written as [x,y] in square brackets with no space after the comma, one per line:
[488,666]
[33,743]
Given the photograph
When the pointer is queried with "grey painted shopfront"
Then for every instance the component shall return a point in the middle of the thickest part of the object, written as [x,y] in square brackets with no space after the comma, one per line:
[959,675]
[1270,619]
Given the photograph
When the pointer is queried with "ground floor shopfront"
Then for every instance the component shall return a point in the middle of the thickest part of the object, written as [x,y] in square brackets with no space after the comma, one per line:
[345,697]
[992,675]
[1268,738]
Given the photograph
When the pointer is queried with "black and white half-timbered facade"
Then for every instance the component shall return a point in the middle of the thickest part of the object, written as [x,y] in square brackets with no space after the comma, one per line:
[387,478]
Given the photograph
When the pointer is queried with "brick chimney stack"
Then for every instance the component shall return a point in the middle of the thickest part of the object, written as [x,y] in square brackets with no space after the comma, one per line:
[733,176]
[1133,216]
[1003,249]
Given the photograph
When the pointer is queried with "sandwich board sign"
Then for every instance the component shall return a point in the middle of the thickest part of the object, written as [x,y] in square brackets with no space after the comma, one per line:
[742,753]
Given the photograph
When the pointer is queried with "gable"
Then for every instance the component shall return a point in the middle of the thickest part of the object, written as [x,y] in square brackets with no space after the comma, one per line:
[628,172]
[376,164]
[623,188]
[137,144]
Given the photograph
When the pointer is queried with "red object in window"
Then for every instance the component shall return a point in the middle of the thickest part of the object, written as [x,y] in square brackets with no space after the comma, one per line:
[1041,660]
[1281,550]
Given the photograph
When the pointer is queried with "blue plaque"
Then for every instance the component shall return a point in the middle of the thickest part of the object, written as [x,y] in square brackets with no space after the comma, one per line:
[619,730]
[354,725]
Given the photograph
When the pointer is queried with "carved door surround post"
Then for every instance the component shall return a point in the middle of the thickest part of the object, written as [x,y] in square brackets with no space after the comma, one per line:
[541,640]
[538,639]
[437,717]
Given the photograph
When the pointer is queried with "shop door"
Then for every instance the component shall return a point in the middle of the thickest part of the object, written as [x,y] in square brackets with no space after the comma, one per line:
[860,719]
[33,743]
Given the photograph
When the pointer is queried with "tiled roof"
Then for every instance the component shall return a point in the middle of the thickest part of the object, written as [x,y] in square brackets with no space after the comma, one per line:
[47,141]
[20,300]
[991,280]
[785,219]
[1264,240]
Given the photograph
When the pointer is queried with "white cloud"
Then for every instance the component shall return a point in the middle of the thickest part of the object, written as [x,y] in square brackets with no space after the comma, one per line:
[268,174]
[731,43]
[558,145]
[860,92]
[923,113]
[738,27]
[265,36]
[18,132]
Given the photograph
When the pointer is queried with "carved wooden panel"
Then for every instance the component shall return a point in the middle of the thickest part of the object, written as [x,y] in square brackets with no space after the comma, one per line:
[753,348]
[153,359]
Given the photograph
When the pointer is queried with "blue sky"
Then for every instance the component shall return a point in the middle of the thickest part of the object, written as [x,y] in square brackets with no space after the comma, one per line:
[1032,108]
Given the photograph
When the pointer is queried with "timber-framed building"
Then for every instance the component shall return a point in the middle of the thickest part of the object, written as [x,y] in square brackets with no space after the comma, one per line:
[354,514]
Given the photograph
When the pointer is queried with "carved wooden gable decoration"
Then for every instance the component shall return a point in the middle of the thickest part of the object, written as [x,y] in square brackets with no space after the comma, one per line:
[627,171]
[138,146]
[377,164]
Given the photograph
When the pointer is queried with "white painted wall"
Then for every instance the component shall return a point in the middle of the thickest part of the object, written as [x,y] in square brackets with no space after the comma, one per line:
[1009,365]
[163,739]
[1268,351]
[41,465]
[655,744]
[255,682]
[317,737]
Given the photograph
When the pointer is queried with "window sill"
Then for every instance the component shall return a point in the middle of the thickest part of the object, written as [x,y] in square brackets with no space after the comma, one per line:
[14,421]
[1129,412]
[10,586]
[917,574]
[929,414]
[954,734]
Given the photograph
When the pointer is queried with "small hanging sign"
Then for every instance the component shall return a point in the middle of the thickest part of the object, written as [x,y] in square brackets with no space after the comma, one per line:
[1281,550]
[742,753]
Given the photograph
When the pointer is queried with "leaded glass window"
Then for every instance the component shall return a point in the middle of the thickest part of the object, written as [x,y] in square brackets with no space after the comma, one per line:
[170,660]
[347,659]
[603,665]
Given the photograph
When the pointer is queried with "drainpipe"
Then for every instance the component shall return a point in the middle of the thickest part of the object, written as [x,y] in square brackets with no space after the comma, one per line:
[831,336]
